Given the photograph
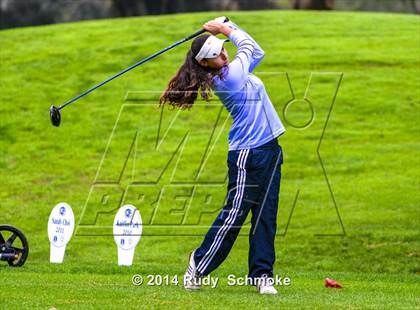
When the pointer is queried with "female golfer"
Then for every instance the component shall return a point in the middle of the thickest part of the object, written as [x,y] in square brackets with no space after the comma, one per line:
[254,157]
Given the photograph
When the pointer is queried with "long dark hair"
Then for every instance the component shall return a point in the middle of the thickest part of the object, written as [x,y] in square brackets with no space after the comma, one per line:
[190,79]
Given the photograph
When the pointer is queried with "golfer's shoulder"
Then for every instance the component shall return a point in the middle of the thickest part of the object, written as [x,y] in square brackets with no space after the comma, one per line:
[235,76]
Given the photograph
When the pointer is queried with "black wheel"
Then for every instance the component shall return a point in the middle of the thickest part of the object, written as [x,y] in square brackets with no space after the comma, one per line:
[14,247]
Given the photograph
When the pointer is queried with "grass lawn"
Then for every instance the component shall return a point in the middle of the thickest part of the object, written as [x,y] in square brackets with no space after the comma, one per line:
[112,288]
[344,84]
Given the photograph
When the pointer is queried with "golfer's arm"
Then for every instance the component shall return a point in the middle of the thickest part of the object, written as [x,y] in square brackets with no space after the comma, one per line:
[245,49]
[239,67]
[246,58]
[257,53]
[226,30]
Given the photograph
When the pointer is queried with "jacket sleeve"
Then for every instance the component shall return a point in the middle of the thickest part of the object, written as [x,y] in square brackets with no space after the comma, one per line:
[257,54]
[247,57]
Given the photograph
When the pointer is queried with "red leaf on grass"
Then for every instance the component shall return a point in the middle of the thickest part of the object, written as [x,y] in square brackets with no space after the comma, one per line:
[332,283]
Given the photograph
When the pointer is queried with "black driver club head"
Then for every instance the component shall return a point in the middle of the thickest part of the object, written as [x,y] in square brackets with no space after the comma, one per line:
[55,116]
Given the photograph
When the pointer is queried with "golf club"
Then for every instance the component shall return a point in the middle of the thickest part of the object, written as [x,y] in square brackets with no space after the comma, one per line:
[55,112]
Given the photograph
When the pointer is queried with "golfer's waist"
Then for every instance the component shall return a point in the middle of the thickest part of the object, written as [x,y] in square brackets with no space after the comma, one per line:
[269,141]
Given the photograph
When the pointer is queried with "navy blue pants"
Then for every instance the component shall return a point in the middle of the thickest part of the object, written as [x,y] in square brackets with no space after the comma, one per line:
[254,184]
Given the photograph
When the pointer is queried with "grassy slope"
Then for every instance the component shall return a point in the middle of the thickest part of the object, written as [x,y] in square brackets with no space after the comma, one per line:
[370,151]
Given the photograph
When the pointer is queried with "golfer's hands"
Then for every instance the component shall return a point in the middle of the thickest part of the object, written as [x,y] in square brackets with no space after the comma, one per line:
[216,26]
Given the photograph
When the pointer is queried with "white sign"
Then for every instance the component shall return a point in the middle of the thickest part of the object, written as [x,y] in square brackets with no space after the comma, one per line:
[127,232]
[60,230]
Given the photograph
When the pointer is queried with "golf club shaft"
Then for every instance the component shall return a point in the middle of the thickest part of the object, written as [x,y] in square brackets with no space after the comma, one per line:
[133,66]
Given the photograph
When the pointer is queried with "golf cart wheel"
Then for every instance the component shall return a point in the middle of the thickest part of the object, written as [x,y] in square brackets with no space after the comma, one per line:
[14,247]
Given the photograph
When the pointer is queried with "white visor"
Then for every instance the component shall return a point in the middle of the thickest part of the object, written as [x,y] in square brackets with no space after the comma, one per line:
[211,48]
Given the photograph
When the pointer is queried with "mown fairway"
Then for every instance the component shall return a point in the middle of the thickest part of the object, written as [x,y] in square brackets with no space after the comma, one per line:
[369,150]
